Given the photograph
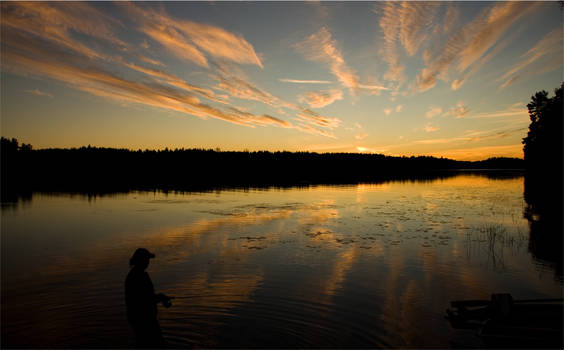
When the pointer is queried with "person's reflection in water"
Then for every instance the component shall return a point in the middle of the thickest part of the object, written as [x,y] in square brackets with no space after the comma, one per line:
[141,302]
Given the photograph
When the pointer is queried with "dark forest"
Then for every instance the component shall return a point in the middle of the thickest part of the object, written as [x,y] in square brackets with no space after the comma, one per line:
[93,169]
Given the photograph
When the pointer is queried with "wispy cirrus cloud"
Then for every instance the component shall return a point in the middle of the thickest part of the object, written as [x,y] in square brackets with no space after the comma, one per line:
[513,111]
[316,119]
[469,136]
[403,24]
[484,35]
[499,114]
[237,86]
[170,79]
[307,120]
[29,54]
[458,83]
[242,89]
[390,25]
[38,92]
[314,131]
[175,42]
[361,136]
[433,111]
[320,46]
[150,61]
[190,40]
[500,133]
[451,18]
[551,44]
[459,111]
[430,128]
[55,22]
[322,98]
[467,45]
[107,85]
[296,81]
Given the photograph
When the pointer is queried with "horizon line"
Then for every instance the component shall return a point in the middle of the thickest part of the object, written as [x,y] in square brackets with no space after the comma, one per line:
[219,149]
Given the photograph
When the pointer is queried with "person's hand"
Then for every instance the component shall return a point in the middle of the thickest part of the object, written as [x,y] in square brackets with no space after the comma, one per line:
[166,301]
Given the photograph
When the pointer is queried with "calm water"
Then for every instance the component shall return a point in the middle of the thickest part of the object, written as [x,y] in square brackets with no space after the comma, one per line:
[325,266]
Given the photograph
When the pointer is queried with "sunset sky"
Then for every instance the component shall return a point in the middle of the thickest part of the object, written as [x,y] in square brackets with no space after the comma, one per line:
[445,79]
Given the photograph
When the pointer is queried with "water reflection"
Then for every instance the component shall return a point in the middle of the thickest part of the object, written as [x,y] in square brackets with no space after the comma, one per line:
[325,266]
[544,213]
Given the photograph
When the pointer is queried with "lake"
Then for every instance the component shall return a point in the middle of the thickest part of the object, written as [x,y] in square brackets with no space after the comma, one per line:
[344,266]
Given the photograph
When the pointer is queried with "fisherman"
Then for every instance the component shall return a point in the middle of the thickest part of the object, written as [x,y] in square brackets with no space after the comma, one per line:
[141,302]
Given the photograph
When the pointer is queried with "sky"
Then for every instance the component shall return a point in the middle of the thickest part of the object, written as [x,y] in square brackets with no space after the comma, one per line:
[445,79]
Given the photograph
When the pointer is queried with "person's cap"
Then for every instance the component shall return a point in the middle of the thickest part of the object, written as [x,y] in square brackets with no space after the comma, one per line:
[141,254]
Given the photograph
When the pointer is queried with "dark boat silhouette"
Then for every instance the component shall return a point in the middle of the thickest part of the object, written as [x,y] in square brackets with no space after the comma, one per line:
[506,323]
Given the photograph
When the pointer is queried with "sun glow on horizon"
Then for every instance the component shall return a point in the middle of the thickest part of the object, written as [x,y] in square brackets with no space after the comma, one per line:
[393,78]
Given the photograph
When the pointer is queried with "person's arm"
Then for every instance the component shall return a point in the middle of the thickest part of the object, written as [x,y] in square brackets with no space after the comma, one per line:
[164,299]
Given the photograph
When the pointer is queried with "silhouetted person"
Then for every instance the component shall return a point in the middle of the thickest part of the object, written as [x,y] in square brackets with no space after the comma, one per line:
[141,302]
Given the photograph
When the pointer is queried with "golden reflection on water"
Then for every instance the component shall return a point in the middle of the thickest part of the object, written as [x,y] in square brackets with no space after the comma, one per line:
[380,262]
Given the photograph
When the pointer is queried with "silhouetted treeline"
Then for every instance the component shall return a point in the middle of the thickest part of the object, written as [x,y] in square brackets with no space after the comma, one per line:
[543,150]
[110,169]
[543,147]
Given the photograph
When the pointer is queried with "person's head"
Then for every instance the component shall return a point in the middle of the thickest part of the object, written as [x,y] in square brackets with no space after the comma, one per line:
[140,258]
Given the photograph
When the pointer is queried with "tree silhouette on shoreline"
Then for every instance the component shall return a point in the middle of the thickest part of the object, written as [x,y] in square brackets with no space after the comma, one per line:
[543,151]
[93,169]
[543,144]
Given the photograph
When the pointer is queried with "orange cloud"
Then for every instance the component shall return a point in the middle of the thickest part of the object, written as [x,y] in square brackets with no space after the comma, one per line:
[296,81]
[150,61]
[361,136]
[170,79]
[458,112]
[550,44]
[188,39]
[472,136]
[54,22]
[25,57]
[38,93]
[403,24]
[314,131]
[321,46]
[451,18]
[171,39]
[390,25]
[512,111]
[221,43]
[430,128]
[415,19]
[322,98]
[497,21]
[319,120]
[466,46]
[240,88]
[434,111]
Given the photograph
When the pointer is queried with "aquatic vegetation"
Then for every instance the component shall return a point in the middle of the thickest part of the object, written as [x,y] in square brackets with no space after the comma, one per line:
[494,239]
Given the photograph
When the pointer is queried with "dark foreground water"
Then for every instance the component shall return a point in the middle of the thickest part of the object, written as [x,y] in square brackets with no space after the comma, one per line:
[325,266]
